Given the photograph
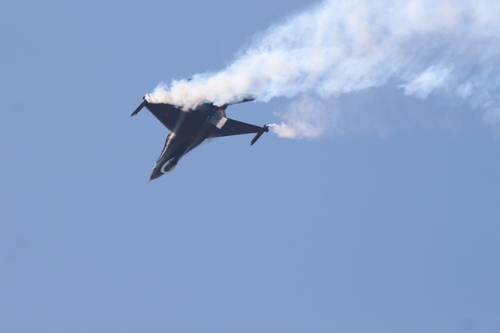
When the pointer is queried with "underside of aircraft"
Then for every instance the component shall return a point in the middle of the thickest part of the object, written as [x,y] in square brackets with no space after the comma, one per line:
[189,127]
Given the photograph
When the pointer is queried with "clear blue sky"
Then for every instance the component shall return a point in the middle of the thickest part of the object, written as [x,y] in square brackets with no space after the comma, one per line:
[391,225]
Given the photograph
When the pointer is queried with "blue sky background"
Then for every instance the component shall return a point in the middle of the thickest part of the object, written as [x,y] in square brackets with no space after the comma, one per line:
[391,225]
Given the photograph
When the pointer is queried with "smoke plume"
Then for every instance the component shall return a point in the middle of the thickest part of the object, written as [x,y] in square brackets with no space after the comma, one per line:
[423,47]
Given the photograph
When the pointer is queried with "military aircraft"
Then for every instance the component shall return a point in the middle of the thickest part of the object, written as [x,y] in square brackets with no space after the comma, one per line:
[189,127]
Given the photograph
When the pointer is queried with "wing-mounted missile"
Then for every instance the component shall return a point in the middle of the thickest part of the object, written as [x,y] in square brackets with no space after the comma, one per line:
[265,128]
[244,99]
[139,108]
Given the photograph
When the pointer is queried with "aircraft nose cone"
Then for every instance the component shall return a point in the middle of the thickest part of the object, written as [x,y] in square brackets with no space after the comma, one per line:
[155,174]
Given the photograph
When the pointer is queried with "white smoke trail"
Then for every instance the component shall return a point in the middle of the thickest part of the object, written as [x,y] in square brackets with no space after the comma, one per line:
[305,118]
[449,47]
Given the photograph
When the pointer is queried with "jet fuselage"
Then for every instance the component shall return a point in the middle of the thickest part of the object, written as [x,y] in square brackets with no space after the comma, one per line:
[189,127]
[187,136]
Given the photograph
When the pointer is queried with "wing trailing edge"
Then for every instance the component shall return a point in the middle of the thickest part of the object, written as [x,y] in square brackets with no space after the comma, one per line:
[228,126]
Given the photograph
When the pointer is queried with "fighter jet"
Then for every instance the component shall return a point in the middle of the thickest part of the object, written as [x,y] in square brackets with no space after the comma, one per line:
[189,127]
